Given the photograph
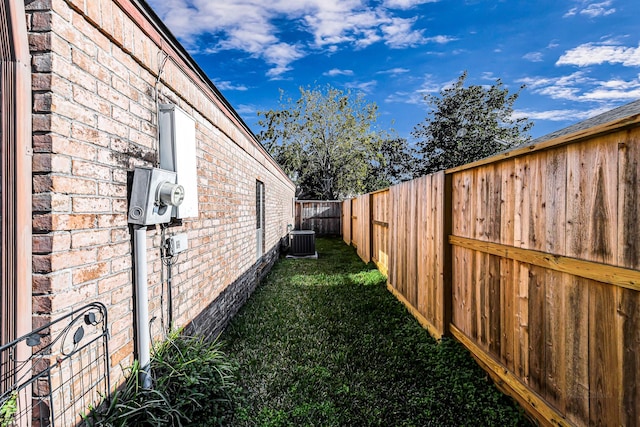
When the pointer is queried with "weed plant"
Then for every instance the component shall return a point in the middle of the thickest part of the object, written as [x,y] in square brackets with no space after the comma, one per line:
[8,409]
[323,343]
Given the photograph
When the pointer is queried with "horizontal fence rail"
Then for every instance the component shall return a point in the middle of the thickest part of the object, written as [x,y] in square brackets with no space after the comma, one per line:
[65,371]
[531,259]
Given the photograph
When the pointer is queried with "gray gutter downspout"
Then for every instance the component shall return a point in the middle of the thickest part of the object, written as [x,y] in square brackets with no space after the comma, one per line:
[16,140]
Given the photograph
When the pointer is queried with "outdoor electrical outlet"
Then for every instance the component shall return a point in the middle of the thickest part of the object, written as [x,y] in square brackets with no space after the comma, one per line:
[176,244]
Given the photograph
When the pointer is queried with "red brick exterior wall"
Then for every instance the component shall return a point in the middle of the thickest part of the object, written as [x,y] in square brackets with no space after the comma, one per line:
[95,78]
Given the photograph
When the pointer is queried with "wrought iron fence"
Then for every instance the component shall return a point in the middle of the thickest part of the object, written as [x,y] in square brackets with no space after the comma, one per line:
[57,372]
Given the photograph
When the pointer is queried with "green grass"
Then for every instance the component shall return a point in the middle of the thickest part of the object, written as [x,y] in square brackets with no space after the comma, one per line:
[323,343]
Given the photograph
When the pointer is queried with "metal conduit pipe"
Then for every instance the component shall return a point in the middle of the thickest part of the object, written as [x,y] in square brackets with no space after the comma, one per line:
[142,304]
[153,193]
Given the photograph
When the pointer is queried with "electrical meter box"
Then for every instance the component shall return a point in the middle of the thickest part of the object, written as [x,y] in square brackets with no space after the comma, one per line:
[178,154]
[153,195]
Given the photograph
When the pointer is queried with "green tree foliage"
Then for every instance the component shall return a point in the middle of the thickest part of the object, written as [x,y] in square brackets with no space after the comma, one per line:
[394,163]
[325,141]
[465,124]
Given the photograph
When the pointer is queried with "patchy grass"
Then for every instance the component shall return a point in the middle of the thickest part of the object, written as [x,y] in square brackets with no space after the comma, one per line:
[323,343]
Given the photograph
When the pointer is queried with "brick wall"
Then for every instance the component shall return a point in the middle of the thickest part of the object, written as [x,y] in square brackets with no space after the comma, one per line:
[96,75]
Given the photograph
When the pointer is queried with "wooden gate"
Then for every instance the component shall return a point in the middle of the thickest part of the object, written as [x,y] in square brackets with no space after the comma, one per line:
[322,216]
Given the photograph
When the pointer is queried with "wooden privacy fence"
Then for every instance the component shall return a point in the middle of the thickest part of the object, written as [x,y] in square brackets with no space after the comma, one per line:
[531,259]
[322,216]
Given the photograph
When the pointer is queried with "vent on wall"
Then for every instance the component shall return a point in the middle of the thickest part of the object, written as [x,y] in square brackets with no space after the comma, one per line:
[303,242]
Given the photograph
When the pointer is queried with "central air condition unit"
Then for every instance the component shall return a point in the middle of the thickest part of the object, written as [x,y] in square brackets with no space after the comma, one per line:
[302,242]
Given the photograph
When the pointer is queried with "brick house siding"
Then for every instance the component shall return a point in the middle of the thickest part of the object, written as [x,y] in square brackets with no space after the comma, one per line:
[98,67]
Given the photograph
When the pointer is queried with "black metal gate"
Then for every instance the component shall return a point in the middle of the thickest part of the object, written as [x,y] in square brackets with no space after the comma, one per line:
[64,373]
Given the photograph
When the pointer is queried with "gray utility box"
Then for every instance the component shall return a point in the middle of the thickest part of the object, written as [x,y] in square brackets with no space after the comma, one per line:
[153,193]
[302,242]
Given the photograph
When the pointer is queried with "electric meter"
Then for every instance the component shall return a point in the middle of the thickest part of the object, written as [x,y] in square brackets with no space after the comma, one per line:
[170,194]
[153,193]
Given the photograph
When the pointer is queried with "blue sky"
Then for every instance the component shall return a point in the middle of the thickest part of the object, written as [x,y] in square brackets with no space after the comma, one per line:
[577,58]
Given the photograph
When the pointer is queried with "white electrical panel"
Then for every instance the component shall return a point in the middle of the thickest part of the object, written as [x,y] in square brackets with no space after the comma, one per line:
[178,154]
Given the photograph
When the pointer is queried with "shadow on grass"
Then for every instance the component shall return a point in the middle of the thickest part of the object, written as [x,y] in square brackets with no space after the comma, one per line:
[323,343]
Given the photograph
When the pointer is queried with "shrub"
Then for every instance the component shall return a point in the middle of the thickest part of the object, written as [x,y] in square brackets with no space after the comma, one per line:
[133,405]
[193,385]
[196,377]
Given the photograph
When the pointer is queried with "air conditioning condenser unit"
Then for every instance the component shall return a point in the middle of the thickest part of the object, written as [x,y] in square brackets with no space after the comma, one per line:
[302,242]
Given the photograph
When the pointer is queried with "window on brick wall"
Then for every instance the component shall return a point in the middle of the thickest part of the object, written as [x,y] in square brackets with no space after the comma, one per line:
[260,219]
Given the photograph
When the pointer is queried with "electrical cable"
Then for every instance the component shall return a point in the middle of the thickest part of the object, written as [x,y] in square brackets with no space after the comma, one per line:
[161,65]
[168,261]
[162,254]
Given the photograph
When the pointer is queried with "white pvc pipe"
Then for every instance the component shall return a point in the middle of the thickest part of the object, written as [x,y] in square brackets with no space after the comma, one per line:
[142,303]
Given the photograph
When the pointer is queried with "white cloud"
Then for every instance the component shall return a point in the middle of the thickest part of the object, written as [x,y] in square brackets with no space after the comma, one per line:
[406,4]
[615,89]
[246,109]
[598,9]
[250,26]
[560,92]
[367,38]
[582,88]
[330,26]
[398,33]
[428,86]
[275,73]
[612,95]
[600,53]
[563,87]
[394,71]
[559,115]
[282,54]
[362,86]
[441,39]
[533,56]
[227,85]
[621,84]
[592,10]
[403,97]
[336,72]
[245,39]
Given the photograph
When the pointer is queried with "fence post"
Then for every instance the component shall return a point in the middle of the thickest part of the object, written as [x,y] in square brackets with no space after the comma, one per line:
[371,226]
[341,219]
[297,222]
[351,221]
[447,263]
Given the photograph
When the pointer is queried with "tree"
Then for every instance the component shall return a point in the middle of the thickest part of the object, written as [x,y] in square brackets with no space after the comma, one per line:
[325,141]
[465,124]
[394,163]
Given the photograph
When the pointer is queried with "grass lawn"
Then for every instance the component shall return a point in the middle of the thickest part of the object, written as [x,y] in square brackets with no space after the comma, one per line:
[323,343]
